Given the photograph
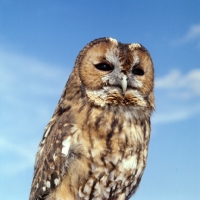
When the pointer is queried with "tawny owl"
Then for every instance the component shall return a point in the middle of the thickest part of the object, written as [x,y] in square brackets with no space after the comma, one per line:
[95,146]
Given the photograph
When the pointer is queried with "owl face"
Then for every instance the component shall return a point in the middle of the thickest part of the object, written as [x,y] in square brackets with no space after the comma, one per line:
[116,73]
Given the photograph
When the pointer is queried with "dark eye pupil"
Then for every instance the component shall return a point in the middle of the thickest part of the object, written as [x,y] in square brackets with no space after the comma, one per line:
[104,67]
[138,72]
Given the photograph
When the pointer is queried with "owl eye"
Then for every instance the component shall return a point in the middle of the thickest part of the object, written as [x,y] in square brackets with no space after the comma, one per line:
[138,71]
[104,67]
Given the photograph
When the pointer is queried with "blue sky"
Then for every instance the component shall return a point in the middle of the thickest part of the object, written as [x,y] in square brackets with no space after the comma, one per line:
[39,42]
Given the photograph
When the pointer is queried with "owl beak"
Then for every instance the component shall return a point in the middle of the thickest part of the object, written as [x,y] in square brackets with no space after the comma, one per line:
[124,83]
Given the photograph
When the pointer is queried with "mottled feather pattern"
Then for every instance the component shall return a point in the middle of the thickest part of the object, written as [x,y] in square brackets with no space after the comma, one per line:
[96,144]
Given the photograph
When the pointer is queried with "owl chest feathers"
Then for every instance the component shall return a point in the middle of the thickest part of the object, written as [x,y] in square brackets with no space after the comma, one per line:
[107,153]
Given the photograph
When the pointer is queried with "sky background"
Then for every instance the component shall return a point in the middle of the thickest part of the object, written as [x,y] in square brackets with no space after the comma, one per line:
[39,42]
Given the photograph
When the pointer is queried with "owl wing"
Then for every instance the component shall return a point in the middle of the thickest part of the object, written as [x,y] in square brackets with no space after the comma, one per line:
[51,158]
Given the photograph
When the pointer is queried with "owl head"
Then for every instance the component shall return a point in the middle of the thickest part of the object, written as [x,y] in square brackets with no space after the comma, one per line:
[111,73]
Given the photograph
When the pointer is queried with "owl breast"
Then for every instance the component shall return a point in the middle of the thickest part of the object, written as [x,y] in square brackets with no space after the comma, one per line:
[114,153]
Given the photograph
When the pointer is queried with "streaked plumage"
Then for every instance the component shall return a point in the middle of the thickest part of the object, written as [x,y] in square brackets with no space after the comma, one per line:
[96,144]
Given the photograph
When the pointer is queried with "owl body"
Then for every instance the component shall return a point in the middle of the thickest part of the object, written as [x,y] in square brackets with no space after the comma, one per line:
[95,146]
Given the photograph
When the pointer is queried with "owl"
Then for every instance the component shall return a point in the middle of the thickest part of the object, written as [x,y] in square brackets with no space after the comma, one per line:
[96,143]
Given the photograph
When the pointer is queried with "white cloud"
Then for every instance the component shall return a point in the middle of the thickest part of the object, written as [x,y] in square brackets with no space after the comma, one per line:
[172,115]
[183,85]
[19,157]
[178,96]
[30,74]
[192,34]
[26,84]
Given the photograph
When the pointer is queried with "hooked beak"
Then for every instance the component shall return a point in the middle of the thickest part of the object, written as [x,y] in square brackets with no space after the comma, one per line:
[124,83]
